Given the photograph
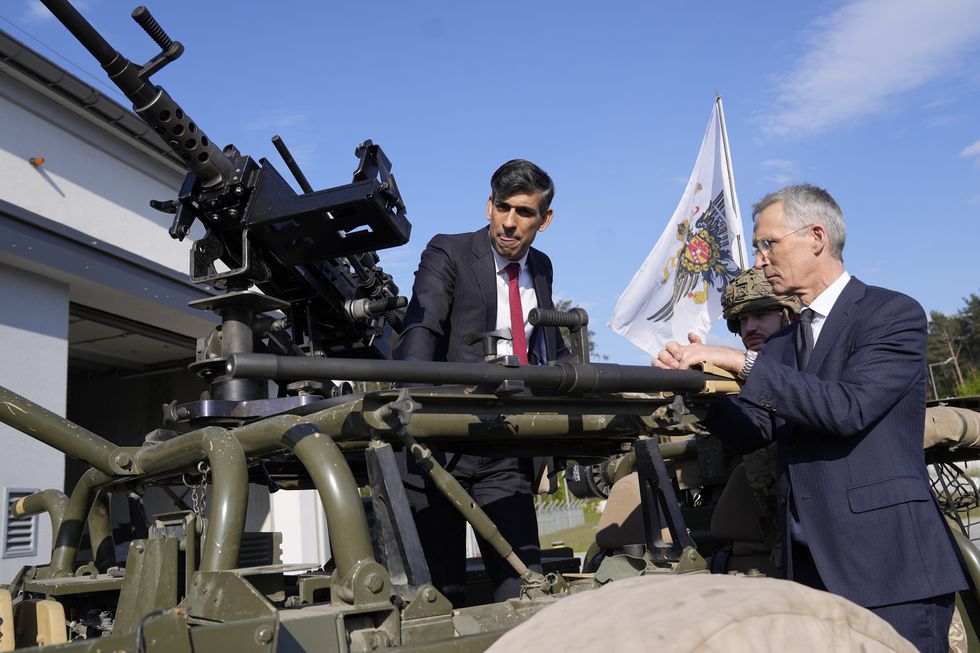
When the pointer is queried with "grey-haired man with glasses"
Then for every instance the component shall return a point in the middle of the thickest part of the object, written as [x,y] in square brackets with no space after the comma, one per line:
[843,392]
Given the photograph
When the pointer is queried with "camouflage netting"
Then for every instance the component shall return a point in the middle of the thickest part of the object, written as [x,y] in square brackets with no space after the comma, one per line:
[704,613]
[750,291]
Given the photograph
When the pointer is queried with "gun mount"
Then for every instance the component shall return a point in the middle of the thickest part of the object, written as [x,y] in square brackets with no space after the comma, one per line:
[312,255]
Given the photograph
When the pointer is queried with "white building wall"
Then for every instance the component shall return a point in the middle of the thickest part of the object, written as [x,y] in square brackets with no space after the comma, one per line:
[298,514]
[90,179]
[33,360]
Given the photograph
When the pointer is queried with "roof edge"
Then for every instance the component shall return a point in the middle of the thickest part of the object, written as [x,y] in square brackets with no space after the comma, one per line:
[84,99]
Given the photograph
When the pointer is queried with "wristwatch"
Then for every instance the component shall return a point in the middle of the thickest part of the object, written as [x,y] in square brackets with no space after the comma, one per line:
[750,357]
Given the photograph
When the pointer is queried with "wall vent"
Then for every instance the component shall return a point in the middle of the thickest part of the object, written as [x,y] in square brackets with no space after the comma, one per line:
[19,535]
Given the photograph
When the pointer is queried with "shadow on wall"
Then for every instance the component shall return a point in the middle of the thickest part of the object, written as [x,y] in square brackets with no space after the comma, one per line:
[33,303]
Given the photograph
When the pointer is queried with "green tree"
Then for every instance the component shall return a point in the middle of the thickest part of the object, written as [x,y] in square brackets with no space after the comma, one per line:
[954,350]
[942,354]
[565,305]
[970,387]
[969,335]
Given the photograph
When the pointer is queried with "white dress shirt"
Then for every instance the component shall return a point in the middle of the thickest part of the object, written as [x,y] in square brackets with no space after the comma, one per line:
[824,302]
[529,299]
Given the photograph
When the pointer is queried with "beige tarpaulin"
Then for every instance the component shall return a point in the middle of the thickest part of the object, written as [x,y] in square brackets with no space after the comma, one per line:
[703,613]
[952,427]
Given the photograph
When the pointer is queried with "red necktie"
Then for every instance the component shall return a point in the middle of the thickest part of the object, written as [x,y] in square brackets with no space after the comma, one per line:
[516,312]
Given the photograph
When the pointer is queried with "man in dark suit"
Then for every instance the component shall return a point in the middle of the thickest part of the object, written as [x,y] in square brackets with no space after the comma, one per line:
[843,392]
[468,284]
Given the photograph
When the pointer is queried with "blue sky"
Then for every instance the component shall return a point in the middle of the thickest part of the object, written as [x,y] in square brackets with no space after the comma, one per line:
[874,100]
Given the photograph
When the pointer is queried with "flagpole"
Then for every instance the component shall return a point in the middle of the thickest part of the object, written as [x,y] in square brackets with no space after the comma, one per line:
[730,175]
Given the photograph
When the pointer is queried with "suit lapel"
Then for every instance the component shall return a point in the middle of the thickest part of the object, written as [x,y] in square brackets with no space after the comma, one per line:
[485,272]
[836,322]
[540,282]
[787,355]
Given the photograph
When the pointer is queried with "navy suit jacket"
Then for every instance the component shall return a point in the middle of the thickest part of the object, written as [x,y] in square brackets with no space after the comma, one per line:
[850,431]
[455,297]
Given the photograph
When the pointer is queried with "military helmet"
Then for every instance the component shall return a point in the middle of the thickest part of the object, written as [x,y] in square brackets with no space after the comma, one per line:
[750,291]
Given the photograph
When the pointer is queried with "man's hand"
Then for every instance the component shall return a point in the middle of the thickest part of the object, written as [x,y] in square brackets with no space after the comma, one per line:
[676,356]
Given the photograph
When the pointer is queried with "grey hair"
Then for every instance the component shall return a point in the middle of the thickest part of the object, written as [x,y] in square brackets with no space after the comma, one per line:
[805,204]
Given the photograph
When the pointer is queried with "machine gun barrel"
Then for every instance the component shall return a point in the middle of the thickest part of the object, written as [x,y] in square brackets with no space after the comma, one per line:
[563,377]
[153,104]
[82,30]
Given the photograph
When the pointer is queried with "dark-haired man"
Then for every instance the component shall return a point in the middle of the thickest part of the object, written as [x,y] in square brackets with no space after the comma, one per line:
[469,284]
[843,392]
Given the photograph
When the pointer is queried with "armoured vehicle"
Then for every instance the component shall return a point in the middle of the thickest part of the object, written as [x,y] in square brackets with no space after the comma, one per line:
[304,303]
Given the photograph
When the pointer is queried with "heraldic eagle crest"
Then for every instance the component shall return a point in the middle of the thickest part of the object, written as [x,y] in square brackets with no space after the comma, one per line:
[704,258]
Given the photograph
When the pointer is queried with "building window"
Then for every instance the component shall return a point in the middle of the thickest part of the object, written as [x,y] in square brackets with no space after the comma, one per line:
[19,534]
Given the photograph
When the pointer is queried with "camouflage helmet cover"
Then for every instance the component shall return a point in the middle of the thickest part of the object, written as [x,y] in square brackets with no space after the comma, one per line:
[750,291]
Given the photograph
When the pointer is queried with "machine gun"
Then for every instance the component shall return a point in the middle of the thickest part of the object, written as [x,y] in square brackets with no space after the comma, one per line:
[312,255]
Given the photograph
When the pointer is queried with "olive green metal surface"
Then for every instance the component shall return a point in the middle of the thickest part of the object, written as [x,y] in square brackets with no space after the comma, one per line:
[69,536]
[40,423]
[52,502]
[229,500]
[150,583]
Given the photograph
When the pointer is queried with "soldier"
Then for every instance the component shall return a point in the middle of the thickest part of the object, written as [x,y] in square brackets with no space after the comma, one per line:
[754,312]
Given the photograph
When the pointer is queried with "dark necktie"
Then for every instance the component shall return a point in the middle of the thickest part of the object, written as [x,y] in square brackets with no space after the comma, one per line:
[804,338]
[516,312]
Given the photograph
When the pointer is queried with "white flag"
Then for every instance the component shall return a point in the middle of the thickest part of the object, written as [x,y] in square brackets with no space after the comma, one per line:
[678,288]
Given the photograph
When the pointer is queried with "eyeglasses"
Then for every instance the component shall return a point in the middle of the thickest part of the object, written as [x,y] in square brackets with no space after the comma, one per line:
[765,245]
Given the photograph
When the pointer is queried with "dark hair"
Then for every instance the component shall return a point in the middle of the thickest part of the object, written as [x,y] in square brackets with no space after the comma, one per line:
[521,176]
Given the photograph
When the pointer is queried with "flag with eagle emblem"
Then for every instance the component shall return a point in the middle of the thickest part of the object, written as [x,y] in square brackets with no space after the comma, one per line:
[678,288]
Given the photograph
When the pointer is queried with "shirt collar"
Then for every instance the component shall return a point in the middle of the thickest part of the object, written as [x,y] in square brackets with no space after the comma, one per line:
[824,302]
[501,262]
